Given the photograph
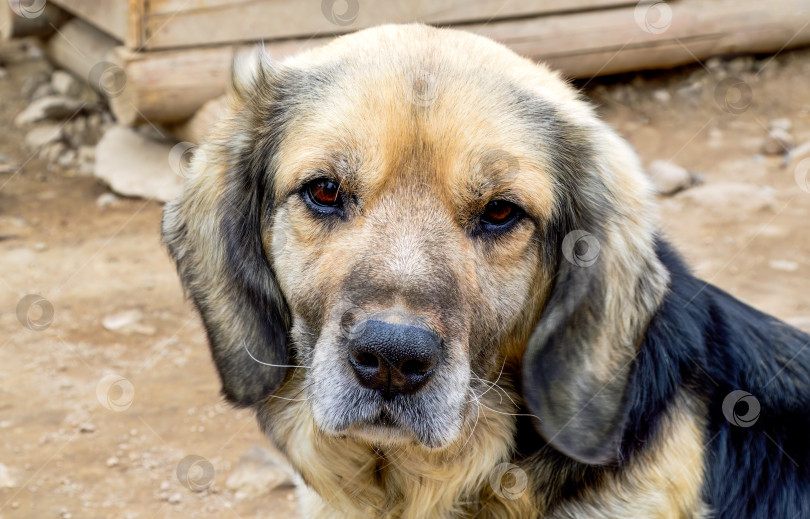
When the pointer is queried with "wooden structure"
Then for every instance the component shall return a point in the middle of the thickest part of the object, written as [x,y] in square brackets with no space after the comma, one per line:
[176,54]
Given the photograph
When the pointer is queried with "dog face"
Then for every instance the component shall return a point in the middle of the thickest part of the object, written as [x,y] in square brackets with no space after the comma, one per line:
[402,223]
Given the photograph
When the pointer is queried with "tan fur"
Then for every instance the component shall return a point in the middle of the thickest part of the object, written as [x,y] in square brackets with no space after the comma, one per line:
[412,156]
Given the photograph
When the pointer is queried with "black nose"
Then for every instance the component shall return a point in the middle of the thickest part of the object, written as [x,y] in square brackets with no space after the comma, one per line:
[394,358]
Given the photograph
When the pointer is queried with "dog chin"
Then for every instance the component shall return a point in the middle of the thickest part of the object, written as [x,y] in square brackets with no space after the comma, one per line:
[385,431]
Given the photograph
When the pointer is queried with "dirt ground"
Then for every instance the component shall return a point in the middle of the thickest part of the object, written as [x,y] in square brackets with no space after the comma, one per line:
[94,421]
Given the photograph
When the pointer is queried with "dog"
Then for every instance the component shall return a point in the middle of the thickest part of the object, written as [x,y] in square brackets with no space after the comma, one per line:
[437,278]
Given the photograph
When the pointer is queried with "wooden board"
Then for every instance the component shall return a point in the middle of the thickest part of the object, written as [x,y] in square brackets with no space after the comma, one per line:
[182,23]
[111,16]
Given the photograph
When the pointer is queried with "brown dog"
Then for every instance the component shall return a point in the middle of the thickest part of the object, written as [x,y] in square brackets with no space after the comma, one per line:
[435,275]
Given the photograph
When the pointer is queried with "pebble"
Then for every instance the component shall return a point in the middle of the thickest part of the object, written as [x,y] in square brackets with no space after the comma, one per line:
[731,198]
[784,265]
[3,73]
[106,200]
[175,498]
[257,472]
[40,247]
[669,178]
[777,142]
[64,83]
[87,428]
[6,481]
[662,96]
[48,107]
[783,123]
[42,135]
[113,461]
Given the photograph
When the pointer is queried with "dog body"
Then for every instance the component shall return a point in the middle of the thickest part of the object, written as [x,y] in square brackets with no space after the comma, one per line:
[435,275]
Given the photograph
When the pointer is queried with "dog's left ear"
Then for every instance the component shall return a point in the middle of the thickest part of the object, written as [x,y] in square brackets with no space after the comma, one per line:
[607,284]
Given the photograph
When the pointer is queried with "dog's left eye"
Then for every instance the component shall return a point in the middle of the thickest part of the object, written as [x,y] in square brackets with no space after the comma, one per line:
[499,214]
[323,193]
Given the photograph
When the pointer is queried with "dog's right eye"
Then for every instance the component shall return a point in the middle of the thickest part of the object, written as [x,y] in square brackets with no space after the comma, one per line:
[323,194]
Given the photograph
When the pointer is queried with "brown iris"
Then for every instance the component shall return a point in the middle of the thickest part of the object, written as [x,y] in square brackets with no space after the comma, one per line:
[324,192]
[499,212]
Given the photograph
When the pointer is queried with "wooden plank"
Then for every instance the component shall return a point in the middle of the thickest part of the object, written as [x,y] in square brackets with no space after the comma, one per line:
[79,47]
[111,16]
[19,18]
[180,23]
[169,86]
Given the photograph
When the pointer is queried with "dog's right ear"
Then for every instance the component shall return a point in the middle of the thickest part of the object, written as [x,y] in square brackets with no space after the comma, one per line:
[214,233]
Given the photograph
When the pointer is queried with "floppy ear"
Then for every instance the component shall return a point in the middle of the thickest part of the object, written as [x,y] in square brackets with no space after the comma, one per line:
[607,283]
[214,233]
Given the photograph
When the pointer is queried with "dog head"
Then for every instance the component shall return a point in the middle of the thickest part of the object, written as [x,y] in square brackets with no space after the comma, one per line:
[404,212]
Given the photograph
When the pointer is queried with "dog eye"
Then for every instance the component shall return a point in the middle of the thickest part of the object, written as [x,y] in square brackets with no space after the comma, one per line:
[499,213]
[324,193]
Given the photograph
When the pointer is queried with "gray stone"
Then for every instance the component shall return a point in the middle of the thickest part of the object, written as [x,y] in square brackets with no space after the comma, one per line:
[777,142]
[134,165]
[50,107]
[65,84]
[257,472]
[730,198]
[6,481]
[783,123]
[42,135]
[669,178]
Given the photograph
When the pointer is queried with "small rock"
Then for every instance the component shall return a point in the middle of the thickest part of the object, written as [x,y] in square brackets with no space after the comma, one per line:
[87,159]
[43,90]
[662,96]
[49,107]
[777,142]
[65,84]
[87,428]
[40,247]
[9,168]
[175,498]
[51,152]
[783,123]
[105,200]
[257,472]
[67,159]
[669,178]
[134,165]
[66,515]
[784,265]
[722,199]
[122,320]
[32,82]
[3,74]
[42,135]
[6,481]
[112,461]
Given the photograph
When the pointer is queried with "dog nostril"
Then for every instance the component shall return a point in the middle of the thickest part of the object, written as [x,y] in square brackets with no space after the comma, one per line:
[415,367]
[367,360]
